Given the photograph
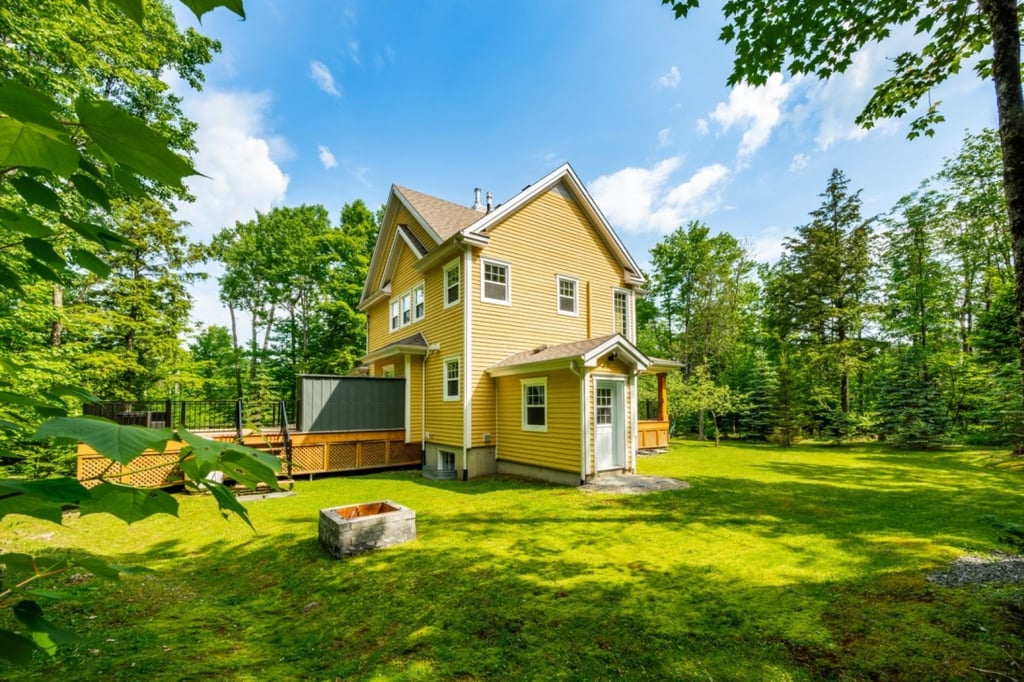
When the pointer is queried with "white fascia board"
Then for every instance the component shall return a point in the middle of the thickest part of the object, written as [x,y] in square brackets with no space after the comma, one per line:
[419,218]
[631,270]
[373,271]
[391,351]
[379,295]
[621,345]
[533,367]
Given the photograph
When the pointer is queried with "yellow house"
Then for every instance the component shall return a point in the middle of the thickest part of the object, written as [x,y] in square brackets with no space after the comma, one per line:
[513,327]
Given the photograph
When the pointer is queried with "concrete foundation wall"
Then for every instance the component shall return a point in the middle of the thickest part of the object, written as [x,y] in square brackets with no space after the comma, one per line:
[482,462]
[540,473]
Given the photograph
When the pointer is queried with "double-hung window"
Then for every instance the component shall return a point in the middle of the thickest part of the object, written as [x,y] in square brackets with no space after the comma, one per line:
[621,311]
[419,306]
[452,376]
[396,319]
[406,308]
[451,283]
[494,282]
[568,289]
[535,404]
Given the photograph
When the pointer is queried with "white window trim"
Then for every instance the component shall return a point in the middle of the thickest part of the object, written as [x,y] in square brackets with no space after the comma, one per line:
[535,381]
[444,378]
[454,265]
[484,262]
[629,311]
[423,292]
[575,295]
[394,318]
[440,460]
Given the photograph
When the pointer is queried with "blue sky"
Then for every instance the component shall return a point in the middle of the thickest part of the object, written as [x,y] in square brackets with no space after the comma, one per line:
[328,102]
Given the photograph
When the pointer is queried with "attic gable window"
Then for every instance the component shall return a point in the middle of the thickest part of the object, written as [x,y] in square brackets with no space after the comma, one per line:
[495,286]
[451,283]
[567,296]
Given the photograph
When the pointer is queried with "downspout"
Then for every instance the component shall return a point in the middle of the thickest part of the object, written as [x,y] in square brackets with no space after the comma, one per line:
[467,360]
[634,431]
[584,414]
[406,371]
[431,349]
[590,308]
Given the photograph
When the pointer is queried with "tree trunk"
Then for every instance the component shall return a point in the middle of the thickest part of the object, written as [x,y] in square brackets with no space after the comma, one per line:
[1002,18]
[236,353]
[57,328]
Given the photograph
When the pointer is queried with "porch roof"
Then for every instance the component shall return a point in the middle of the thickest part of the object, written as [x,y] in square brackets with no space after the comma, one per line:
[662,366]
[416,344]
[587,351]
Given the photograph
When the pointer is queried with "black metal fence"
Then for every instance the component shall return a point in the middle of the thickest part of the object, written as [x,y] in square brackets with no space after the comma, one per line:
[193,414]
[647,409]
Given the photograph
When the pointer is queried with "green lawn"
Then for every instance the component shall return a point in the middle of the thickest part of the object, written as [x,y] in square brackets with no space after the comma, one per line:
[799,564]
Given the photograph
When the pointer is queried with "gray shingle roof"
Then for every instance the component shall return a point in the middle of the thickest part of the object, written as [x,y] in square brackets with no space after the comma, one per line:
[443,217]
[559,352]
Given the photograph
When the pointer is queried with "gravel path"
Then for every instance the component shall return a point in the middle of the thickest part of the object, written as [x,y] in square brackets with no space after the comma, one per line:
[632,484]
[974,570]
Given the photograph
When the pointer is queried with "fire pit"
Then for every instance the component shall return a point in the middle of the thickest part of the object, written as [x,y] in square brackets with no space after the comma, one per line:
[362,527]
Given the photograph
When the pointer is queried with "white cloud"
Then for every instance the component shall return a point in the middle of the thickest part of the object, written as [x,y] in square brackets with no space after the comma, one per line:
[326,157]
[767,246]
[645,199]
[702,126]
[758,109]
[237,154]
[799,162]
[324,79]
[670,79]
[664,137]
[353,51]
[628,197]
[833,105]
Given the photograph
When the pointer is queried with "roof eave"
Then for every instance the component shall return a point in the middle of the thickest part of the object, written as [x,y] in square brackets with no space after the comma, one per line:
[391,351]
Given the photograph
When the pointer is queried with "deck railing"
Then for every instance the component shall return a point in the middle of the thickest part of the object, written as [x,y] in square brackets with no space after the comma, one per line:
[224,415]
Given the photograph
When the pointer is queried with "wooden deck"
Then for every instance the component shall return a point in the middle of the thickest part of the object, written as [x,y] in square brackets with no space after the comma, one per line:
[652,434]
[312,453]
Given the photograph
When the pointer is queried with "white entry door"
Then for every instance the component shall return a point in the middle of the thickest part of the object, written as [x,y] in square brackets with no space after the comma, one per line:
[609,426]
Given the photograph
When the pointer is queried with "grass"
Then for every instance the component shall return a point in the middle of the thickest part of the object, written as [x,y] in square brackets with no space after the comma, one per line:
[798,564]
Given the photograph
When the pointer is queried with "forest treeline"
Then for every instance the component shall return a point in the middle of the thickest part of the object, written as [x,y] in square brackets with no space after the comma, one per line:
[898,326]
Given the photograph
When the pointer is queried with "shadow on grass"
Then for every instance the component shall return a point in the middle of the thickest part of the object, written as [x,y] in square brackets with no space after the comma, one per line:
[817,573]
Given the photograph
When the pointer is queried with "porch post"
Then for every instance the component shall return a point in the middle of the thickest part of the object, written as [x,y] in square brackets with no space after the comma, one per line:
[662,398]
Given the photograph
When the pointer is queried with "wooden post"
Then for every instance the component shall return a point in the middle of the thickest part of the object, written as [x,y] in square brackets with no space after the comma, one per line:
[662,398]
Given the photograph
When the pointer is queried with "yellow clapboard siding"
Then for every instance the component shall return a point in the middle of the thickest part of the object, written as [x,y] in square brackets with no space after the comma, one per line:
[556,448]
[548,237]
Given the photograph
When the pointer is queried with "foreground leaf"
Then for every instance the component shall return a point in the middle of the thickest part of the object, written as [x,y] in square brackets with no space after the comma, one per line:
[101,569]
[44,635]
[128,503]
[16,648]
[228,502]
[29,145]
[118,442]
[201,7]
[129,141]
[19,503]
[64,490]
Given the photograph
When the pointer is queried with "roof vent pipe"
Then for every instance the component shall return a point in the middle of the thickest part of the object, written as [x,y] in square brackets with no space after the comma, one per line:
[489,201]
[476,201]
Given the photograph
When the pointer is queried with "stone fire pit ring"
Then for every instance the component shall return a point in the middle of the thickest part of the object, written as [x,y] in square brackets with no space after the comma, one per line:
[362,527]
